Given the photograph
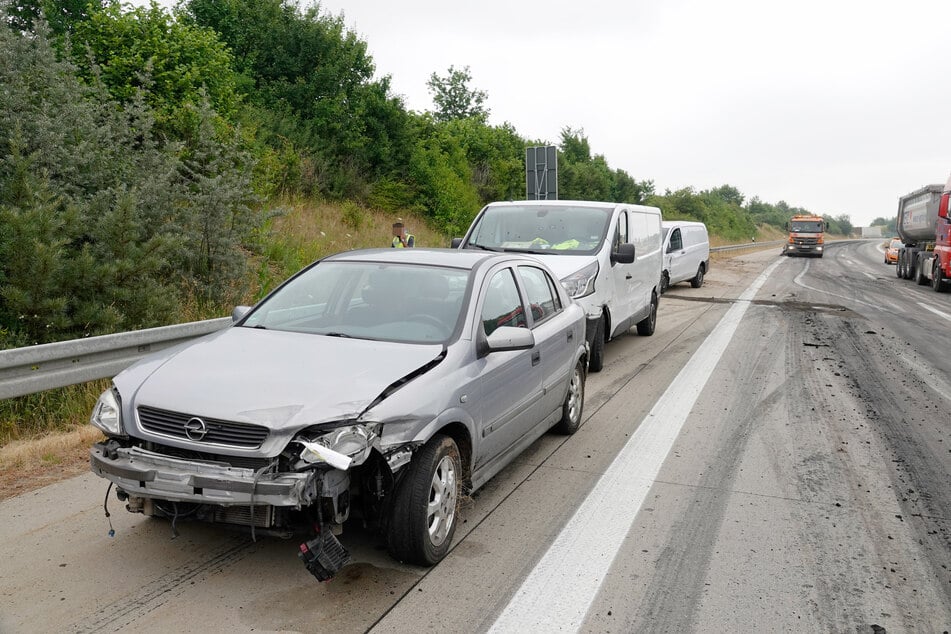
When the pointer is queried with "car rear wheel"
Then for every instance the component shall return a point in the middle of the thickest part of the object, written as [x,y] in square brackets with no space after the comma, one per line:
[697,280]
[645,327]
[596,361]
[423,518]
[574,403]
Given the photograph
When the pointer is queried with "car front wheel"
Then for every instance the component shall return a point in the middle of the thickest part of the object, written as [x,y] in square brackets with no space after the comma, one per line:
[424,513]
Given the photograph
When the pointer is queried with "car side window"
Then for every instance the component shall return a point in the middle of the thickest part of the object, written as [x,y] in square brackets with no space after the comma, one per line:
[538,287]
[676,242]
[502,305]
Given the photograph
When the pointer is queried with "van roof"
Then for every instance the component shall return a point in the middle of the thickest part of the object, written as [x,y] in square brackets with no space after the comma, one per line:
[670,224]
[570,203]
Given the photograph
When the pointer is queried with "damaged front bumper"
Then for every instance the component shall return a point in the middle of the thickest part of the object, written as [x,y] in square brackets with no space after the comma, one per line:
[143,473]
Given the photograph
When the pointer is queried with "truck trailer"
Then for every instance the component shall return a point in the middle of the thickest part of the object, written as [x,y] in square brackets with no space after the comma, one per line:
[923,227]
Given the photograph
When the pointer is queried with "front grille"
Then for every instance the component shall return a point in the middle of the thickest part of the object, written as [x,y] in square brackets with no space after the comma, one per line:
[807,240]
[218,432]
[240,462]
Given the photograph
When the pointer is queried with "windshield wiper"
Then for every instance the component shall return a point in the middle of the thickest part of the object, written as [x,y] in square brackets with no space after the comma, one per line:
[484,248]
[337,334]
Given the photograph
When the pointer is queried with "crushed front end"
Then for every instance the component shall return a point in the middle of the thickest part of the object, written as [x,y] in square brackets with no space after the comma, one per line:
[324,474]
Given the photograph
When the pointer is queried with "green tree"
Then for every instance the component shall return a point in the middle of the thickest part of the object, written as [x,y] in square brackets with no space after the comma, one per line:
[61,16]
[454,98]
[176,65]
[98,214]
[311,81]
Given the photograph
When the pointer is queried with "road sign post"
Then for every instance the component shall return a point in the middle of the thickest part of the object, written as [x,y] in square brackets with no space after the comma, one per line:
[541,173]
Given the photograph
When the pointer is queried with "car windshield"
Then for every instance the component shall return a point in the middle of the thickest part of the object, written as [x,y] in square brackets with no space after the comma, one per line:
[572,230]
[806,226]
[896,244]
[367,300]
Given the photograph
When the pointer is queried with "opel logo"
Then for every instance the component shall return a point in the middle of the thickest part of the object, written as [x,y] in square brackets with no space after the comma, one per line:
[195,429]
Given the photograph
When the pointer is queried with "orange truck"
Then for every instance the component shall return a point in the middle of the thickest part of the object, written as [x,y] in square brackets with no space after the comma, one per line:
[806,236]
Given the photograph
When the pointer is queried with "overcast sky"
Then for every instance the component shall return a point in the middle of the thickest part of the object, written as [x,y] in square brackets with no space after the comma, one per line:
[837,106]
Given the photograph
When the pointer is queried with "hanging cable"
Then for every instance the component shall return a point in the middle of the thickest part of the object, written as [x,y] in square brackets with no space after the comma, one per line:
[105,507]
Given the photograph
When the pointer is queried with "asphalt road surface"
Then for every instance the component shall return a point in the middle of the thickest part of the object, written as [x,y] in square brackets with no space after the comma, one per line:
[777,457]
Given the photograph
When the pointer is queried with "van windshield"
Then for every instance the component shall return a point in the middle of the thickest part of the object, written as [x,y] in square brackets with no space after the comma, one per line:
[565,229]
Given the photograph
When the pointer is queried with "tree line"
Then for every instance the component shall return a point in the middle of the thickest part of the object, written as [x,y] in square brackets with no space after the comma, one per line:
[140,149]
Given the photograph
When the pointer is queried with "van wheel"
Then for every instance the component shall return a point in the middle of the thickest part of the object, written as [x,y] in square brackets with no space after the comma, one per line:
[596,362]
[424,511]
[664,282]
[697,280]
[645,327]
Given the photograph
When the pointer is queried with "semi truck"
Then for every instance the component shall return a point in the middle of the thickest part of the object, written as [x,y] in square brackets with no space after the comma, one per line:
[806,235]
[923,227]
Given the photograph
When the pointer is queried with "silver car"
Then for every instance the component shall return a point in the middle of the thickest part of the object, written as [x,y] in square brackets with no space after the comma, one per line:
[379,384]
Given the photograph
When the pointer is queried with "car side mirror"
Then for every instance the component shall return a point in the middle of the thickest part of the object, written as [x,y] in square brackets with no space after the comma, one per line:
[509,338]
[238,313]
[456,242]
[624,254]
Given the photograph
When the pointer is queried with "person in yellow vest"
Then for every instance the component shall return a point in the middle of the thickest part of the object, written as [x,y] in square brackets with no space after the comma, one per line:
[402,239]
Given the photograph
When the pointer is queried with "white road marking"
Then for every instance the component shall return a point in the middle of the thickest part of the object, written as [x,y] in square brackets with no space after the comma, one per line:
[558,592]
[798,281]
[935,311]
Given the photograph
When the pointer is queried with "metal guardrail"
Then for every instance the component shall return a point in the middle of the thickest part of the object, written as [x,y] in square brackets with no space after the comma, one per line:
[749,245]
[51,365]
[48,366]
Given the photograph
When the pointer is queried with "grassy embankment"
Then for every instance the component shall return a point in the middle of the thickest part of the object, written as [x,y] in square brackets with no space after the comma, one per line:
[50,429]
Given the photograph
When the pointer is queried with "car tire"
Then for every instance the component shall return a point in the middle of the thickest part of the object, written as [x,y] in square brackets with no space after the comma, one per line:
[425,507]
[573,406]
[596,360]
[697,280]
[937,277]
[664,282]
[645,327]
[920,278]
[898,268]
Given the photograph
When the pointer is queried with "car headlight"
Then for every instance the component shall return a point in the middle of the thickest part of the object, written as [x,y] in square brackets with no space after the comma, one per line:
[581,283]
[107,415]
[352,441]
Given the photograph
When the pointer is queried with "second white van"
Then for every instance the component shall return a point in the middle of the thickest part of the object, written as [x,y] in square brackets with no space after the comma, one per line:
[607,255]
[686,253]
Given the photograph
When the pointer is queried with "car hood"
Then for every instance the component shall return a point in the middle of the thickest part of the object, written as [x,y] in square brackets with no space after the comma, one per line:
[273,378]
[564,265]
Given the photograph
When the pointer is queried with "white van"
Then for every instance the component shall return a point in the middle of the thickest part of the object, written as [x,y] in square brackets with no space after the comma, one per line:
[607,255]
[686,253]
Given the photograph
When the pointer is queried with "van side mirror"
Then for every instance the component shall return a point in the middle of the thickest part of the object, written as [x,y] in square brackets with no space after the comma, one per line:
[624,254]
[456,242]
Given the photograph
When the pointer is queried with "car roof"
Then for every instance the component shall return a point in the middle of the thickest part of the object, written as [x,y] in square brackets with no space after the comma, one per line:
[458,258]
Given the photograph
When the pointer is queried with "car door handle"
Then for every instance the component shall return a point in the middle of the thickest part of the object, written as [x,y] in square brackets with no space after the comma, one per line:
[628,276]
[536,357]
[571,336]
